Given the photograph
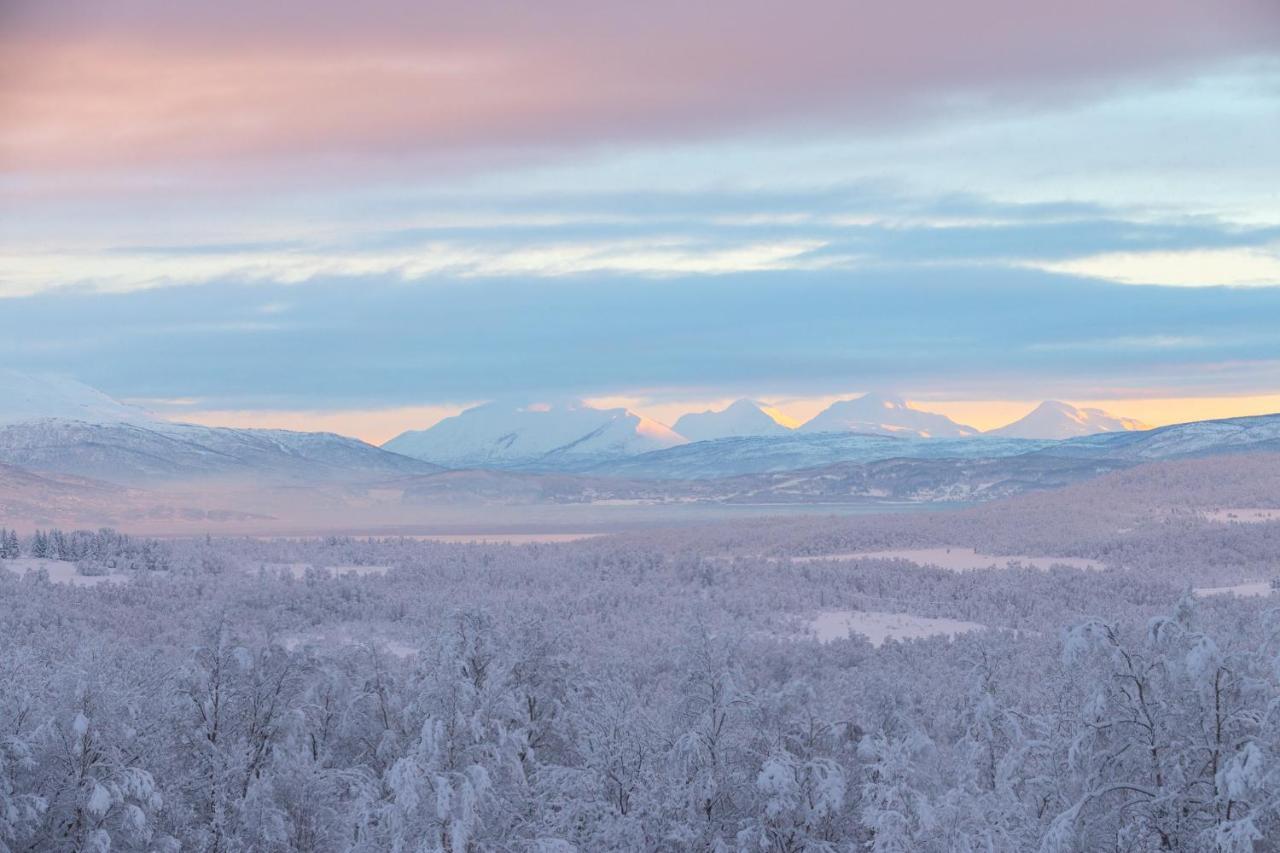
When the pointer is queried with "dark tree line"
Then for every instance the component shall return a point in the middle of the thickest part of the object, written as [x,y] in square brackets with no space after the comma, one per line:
[95,551]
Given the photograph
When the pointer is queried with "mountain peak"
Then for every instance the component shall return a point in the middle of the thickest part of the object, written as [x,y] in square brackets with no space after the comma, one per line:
[740,418]
[883,413]
[1054,419]
[522,433]
[884,400]
[29,397]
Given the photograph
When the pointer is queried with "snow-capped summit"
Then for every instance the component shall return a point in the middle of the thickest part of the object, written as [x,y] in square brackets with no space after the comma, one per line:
[502,434]
[1057,420]
[29,397]
[885,414]
[743,417]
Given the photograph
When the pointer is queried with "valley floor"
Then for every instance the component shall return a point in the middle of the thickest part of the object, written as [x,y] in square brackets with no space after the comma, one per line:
[930,681]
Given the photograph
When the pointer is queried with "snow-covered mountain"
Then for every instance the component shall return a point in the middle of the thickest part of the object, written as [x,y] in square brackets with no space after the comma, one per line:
[1256,434]
[743,417]
[58,425]
[148,454]
[535,436]
[885,414]
[729,457]
[1057,420]
[29,397]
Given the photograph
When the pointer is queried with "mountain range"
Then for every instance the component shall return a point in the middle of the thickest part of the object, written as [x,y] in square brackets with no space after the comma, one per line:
[573,436]
[70,452]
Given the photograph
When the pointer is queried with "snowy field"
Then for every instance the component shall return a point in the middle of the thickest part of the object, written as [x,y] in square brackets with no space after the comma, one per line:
[60,572]
[504,538]
[1251,590]
[957,559]
[1243,516]
[880,627]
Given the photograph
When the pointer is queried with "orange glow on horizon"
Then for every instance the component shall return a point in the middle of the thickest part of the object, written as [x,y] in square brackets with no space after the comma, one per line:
[377,426]
[1153,411]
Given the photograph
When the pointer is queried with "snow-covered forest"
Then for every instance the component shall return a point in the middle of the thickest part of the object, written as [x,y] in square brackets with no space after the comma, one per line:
[662,690]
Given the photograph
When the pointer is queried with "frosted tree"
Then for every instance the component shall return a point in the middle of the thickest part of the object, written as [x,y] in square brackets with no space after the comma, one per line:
[20,808]
[444,792]
[1176,747]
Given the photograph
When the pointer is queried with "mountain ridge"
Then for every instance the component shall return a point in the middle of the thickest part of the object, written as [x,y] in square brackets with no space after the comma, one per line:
[879,413]
[740,418]
[1054,419]
[503,434]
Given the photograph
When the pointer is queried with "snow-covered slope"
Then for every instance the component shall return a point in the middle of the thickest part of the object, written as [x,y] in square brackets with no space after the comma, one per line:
[142,454]
[1260,433]
[28,397]
[1058,420]
[551,436]
[885,414]
[54,424]
[729,457]
[743,417]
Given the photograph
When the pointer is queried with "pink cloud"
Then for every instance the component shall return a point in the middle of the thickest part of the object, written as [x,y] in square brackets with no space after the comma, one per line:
[145,84]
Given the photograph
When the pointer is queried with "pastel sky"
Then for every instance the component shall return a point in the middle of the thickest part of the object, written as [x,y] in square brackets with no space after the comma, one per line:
[361,217]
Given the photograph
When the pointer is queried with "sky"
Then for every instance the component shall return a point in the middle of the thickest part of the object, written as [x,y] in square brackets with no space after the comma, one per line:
[364,217]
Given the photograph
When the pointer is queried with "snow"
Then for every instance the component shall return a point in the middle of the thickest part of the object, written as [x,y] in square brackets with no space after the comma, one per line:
[352,634]
[1253,589]
[957,559]
[885,414]
[99,800]
[878,626]
[1258,432]
[744,417]
[60,571]
[1054,419]
[728,457]
[299,570]
[503,538]
[1242,516]
[509,435]
[30,397]
[145,453]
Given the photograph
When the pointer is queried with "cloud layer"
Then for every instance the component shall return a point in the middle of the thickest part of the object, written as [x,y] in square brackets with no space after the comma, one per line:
[147,85]
[318,205]
[379,342]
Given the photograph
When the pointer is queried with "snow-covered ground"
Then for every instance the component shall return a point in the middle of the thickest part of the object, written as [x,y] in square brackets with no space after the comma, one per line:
[957,559]
[59,571]
[1243,515]
[504,538]
[878,627]
[300,569]
[1252,589]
